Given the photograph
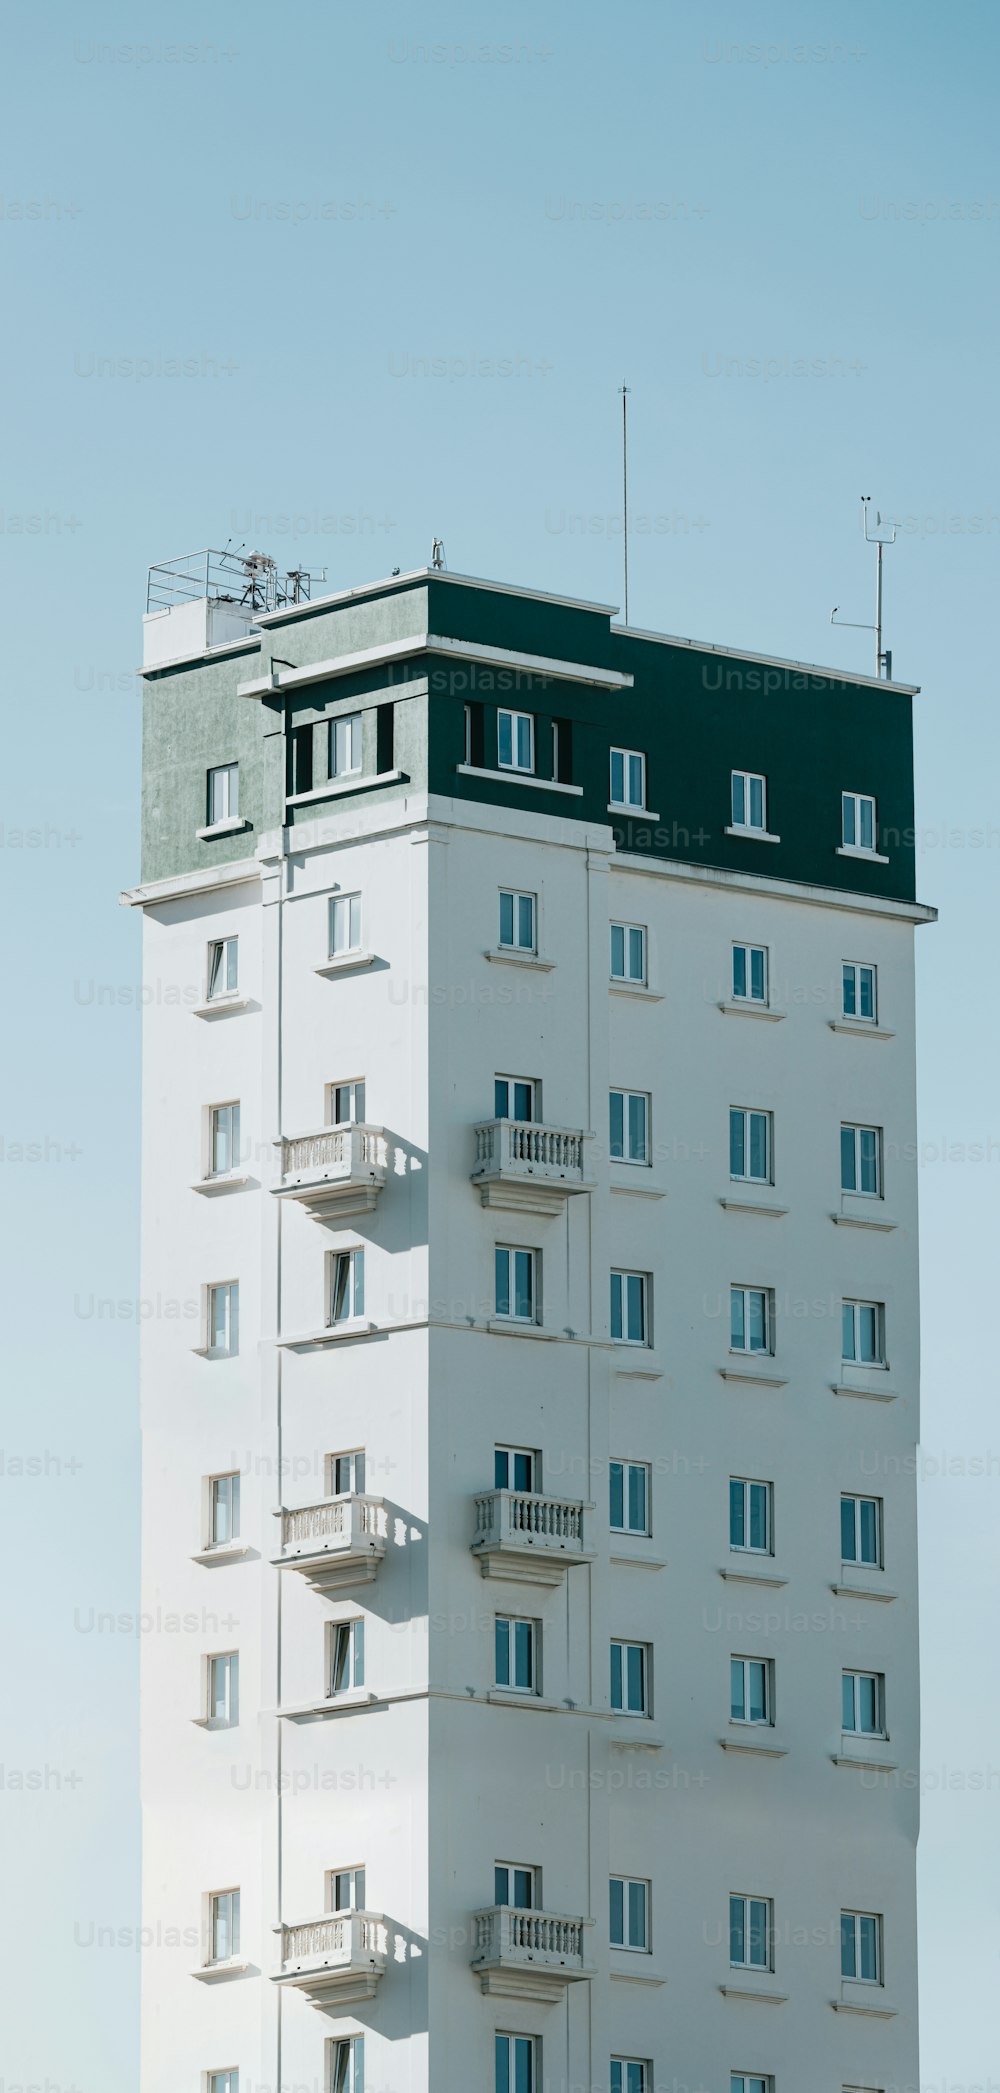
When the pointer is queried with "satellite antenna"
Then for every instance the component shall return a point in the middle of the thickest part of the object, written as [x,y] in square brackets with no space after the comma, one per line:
[882,535]
[624,390]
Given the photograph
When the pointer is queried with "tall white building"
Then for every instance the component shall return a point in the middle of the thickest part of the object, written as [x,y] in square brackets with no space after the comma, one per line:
[531,1362]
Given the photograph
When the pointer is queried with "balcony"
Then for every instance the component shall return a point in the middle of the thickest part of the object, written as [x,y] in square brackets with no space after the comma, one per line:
[529,1168]
[337,1170]
[529,1539]
[336,1959]
[338,1542]
[528,1954]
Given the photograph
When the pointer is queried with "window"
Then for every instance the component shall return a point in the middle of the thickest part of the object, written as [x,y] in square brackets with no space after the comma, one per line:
[224,1320]
[223,793]
[347,1286]
[224,1926]
[515,741]
[750,974]
[346,2064]
[749,1689]
[629,1511]
[630,1678]
[223,1510]
[345,1889]
[861,1946]
[860,997]
[562,751]
[223,1139]
[628,953]
[345,924]
[516,1283]
[223,2082]
[861,1531]
[863,1325]
[750,1932]
[346,1104]
[749,800]
[345,746]
[628,779]
[629,1913]
[860,1159]
[517,921]
[864,1703]
[345,1474]
[224,1691]
[749,1516]
[749,1145]
[516,1651]
[860,828]
[749,1319]
[516,2063]
[347,1655]
[629,1126]
[514,1468]
[513,1098]
[630,2075]
[749,2082]
[222,968]
[629,1307]
[299,760]
[515,1886]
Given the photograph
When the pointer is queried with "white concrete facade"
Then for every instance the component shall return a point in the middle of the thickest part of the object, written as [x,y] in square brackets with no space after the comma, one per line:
[427,1774]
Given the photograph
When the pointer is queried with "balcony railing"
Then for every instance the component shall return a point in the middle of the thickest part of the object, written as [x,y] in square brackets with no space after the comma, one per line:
[338,1957]
[340,1540]
[523,1164]
[528,1954]
[335,1170]
[533,1539]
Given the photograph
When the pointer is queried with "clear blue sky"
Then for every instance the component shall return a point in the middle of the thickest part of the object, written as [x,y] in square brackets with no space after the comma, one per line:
[781,227]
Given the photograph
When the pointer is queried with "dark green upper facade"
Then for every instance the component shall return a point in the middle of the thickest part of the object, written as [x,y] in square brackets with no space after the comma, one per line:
[695,713]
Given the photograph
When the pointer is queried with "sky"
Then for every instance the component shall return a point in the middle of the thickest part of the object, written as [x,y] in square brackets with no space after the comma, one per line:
[334,281]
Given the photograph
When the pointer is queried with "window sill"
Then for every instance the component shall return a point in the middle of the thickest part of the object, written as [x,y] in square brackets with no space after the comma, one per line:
[211,1972]
[749,1576]
[228,1551]
[349,1703]
[857,1217]
[863,1998]
[628,1971]
[627,1559]
[863,1591]
[752,835]
[504,957]
[221,828]
[634,813]
[211,1351]
[635,1734]
[635,1362]
[509,1697]
[340,788]
[853,850]
[865,1395]
[518,777]
[345,963]
[636,988]
[227,1181]
[755,1206]
[740,1007]
[329,1335]
[749,1990]
[862,1027]
[749,1373]
[753,1745]
[866,1761]
[632,1184]
[505,1326]
[221,1006]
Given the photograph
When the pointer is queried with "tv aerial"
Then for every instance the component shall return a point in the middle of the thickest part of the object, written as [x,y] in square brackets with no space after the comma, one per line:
[883,534]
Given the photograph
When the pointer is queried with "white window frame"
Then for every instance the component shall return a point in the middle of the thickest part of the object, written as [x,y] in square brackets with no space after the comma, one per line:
[344,927]
[751,2082]
[645,1649]
[856,1918]
[345,1282]
[524,1453]
[225,2081]
[628,931]
[533,2047]
[354,1879]
[745,995]
[748,1350]
[743,782]
[746,1115]
[627,758]
[746,1720]
[627,1469]
[222,1313]
[856,801]
[354,1093]
[230,1498]
[630,2075]
[623,1286]
[345,2063]
[223,1911]
[511,1083]
[223,963]
[628,1098]
[857,1679]
[627,1945]
[856,968]
[223,1131]
[857,1309]
[517,896]
[223,794]
[747,1898]
[222,1666]
[344,1473]
[510,1623]
[521,728]
[858,1134]
[511,1252]
[747,1483]
[857,1561]
[512,1868]
[345,741]
[345,1656]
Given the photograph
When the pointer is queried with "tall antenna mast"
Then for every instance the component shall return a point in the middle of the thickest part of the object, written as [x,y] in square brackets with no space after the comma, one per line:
[624,390]
[883,534]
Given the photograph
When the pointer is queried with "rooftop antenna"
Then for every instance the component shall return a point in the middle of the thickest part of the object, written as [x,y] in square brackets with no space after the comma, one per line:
[437,556]
[882,535]
[624,391]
